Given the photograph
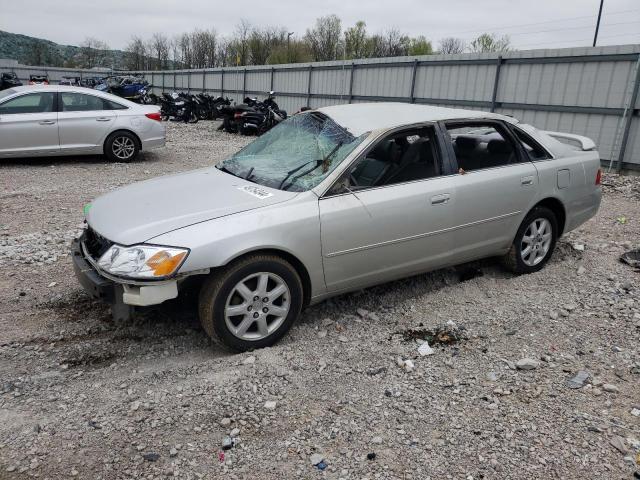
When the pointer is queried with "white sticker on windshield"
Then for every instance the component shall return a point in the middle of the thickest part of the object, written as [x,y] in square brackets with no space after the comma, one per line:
[256,191]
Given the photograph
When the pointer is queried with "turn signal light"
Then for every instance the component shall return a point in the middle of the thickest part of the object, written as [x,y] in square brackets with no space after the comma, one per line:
[599,176]
[162,263]
[154,116]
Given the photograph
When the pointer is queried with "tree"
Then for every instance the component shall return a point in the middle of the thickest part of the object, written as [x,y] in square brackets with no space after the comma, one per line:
[451,45]
[135,54]
[356,41]
[489,42]
[160,44]
[420,46]
[93,52]
[395,43]
[324,38]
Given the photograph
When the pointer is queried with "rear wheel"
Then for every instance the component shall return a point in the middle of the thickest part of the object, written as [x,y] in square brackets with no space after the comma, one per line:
[251,303]
[121,147]
[534,242]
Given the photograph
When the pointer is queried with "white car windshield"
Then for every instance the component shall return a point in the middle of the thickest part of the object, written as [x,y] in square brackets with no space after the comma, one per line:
[295,155]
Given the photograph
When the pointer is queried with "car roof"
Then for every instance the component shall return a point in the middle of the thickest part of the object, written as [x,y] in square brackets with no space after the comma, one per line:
[360,118]
[74,88]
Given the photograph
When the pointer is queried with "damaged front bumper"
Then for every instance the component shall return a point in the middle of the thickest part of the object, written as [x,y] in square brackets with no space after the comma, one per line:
[120,295]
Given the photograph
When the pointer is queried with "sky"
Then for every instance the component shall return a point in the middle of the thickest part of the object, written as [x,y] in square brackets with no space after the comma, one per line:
[529,23]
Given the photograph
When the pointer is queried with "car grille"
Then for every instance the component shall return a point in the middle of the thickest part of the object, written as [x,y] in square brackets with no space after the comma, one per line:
[95,244]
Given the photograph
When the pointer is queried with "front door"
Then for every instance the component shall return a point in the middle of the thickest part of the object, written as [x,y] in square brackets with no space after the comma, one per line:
[390,215]
[29,125]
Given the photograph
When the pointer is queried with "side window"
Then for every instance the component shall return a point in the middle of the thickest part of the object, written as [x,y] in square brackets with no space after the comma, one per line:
[41,102]
[78,102]
[110,105]
[481,145]
[535,151]
[398,158]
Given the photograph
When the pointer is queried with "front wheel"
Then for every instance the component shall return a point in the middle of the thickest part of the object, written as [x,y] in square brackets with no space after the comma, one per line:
[121,147]
[534,242]
[252,303]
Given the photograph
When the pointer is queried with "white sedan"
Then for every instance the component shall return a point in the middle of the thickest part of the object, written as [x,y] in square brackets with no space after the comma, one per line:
[61,120]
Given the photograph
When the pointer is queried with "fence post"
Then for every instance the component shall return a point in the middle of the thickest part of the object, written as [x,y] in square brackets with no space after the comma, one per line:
[271,80]
[174,80]
[244,83]
[222,82]
[627,125]
[413,80]
[204,81]
[309,86]
[163,73]
[496,83]
[189,82]
[353,72]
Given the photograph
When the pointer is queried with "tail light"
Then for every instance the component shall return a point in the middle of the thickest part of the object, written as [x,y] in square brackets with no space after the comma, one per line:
[599,176]
[237,116]
[154,116]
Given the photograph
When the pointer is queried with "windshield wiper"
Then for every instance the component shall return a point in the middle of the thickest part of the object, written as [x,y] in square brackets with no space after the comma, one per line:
[319,162]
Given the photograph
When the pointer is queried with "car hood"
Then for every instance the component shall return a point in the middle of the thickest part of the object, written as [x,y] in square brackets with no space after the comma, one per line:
[141,211]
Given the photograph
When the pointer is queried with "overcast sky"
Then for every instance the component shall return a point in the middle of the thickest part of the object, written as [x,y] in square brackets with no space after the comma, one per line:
[529,23]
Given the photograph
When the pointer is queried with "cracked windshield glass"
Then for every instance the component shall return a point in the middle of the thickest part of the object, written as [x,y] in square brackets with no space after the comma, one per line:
[296,155]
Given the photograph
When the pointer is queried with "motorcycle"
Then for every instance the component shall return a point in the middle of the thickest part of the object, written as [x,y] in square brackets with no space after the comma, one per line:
[261,117]
[178,107]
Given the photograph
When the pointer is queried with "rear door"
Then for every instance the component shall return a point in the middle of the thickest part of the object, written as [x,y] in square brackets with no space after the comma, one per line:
[29,125]
[85,120]
[496,185]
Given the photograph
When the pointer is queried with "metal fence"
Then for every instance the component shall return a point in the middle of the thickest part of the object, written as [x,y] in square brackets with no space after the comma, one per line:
[588,91]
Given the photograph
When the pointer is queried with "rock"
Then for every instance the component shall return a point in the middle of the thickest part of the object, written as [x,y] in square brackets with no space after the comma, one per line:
[362,313]
[151,456]
[316,458]
[578,380]
[617,442]
[322,334]
[250,360]
[609,387]
[553,315]
[425,349]
[371,456]
[376,440]
[234,433]
[409,365]
[578,247]
[343,339]
[52,284]
[173,452]
[227,443]
[635,412]
[527,364]
[134,405]
[581,270]
[491,376]
[225,422]
[270,404]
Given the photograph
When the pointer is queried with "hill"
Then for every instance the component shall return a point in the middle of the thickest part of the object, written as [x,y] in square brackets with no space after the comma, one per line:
[37,51]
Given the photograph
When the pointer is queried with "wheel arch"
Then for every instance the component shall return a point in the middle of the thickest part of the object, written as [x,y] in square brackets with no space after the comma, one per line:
[121,130]
[557,207]
[295,262]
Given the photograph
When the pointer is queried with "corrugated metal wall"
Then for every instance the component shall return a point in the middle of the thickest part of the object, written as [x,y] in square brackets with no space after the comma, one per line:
[577,90]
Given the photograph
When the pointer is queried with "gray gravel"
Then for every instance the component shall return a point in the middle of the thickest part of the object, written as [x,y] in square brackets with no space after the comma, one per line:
[82,396]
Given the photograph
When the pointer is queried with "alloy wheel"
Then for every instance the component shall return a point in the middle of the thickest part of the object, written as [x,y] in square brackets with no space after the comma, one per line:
[123,147]
[257,306]
[536,242]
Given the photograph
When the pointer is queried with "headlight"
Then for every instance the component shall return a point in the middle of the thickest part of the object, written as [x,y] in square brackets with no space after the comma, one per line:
[143,261]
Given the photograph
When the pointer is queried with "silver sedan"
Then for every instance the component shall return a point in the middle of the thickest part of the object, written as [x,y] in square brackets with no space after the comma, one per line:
[335,200]
[60,120]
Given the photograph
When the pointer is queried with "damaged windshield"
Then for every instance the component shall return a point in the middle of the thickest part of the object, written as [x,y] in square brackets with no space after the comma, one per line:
[296,155]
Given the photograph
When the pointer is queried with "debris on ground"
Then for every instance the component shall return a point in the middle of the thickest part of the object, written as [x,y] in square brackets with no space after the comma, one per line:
[578,380]
[631,258]
[151,456]
[227,443]
[527,364]
[316,458]
[371,456]
[447,334]
[425,349]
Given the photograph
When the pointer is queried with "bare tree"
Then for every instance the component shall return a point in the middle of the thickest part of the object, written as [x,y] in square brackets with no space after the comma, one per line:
[160,44]
[356,41]
[93,52]
[324,38]
[490,42]
[174,48]
[451,45]
[186,54]
[135,54]
[395,43]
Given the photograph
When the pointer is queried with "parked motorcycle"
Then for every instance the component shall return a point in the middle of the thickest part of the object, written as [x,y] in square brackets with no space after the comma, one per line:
[253,117]
[178,107]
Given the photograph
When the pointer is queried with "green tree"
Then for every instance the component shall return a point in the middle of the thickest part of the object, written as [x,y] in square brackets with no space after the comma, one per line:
[420,46]
[490,42]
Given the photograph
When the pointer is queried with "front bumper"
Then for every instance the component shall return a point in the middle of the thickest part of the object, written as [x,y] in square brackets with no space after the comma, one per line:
[116,293]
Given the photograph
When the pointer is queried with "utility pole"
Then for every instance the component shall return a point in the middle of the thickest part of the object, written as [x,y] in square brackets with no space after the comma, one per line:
[595,37]
[289,46]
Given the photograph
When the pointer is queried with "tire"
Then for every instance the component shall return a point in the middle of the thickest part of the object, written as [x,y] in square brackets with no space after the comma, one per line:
[222,305]
[121,147]
[521,260]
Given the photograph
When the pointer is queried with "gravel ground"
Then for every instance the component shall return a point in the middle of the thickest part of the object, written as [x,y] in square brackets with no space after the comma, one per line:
[83,396]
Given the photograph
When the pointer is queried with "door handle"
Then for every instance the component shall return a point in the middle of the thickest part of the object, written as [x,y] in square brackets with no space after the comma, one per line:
[440,199]
[47,122]
[103,119]
[526,180]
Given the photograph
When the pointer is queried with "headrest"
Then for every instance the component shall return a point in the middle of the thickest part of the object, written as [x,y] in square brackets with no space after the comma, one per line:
[466,143]
[499,146]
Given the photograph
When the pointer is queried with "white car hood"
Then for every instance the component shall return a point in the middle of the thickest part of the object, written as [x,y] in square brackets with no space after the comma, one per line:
[141,211]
